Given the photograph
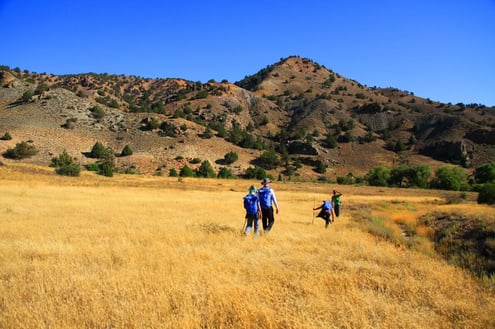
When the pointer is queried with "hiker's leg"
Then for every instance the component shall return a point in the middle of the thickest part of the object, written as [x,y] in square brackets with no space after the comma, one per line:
[256,225]
[271,218]
[263,220]
[249,224]
[336,209]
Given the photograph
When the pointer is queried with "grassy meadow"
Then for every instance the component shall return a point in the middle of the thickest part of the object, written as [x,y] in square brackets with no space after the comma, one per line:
[159,252]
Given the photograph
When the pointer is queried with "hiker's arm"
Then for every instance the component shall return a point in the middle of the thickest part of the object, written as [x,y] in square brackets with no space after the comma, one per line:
[318,207]
[274,198]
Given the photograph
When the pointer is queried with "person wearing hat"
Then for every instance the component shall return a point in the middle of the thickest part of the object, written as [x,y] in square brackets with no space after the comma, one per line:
[253,210]
[267,200]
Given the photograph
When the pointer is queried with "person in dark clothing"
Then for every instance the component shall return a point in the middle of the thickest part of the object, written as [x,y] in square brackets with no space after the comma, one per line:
[326,212]
[267,198]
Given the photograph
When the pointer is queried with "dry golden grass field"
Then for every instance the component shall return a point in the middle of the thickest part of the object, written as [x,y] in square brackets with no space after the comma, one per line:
[159,252]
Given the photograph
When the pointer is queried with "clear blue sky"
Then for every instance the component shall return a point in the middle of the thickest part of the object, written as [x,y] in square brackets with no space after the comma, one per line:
[438,49]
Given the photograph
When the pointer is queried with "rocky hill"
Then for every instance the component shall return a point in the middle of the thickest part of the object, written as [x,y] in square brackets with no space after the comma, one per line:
[317,123]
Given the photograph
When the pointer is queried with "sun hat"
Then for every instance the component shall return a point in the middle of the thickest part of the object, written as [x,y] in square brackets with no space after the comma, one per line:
[252,189]
[266,181]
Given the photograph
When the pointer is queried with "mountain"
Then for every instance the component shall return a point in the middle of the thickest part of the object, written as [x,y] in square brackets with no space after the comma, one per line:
[318,123]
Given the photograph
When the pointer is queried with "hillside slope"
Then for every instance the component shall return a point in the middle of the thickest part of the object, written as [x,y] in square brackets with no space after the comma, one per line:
[295,107]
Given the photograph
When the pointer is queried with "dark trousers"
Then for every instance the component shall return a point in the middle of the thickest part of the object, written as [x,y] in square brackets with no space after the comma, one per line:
[325,215]
[267,218]
[336,209]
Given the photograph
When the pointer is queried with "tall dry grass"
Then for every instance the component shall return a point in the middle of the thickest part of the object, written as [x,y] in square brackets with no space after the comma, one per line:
[156,252]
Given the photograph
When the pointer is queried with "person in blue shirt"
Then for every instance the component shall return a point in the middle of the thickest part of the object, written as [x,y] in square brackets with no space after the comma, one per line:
[267,200]
[253,210]
[326,212]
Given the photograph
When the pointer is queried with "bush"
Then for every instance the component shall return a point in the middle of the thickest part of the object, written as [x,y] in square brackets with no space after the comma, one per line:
[126,151]
[186,171]
[6,137]
[450,179]
[269,159]
[487,194]
[378,176]
[64,165]
[21,150]
[93,167]
[172,172]
[485,173]
[98,112]
[195,161]
[205,170]
[330,141]
[255,173]
[98,151]
[224,172]
[106,163]
[230,157]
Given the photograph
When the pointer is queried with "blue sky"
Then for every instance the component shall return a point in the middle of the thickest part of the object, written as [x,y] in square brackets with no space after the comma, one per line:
[438,49]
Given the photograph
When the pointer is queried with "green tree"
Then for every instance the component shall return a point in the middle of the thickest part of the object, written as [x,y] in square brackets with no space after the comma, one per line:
[224,172]
[65,165]
[269,159]
[186,171]
[487,194]
[230,157]
[205,170]
[449,179]
[320,167]
[98,151]
[330,141]
[485,173]
[172,172]
[378,176]
[106,163]
[255,173]
[126,151]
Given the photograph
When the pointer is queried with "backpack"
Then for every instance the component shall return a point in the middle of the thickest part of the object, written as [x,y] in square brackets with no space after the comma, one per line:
[265,197]
[251,204]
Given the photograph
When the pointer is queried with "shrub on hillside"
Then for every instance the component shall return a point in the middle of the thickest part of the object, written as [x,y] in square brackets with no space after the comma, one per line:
[126,151]
[21,150]
[255,173]
[224,172]
[98,151]
[485,173]
[487,194]
[6,137]
[269,159]
[205,170]
[230,157]
[106,163]
[65,165]
[186,171]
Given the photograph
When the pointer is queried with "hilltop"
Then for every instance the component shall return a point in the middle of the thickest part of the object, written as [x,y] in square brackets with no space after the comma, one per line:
[309,115]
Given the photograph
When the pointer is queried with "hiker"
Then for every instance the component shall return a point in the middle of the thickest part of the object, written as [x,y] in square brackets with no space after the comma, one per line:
[336,202]
[326,212]
[267,198]
[253,210]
